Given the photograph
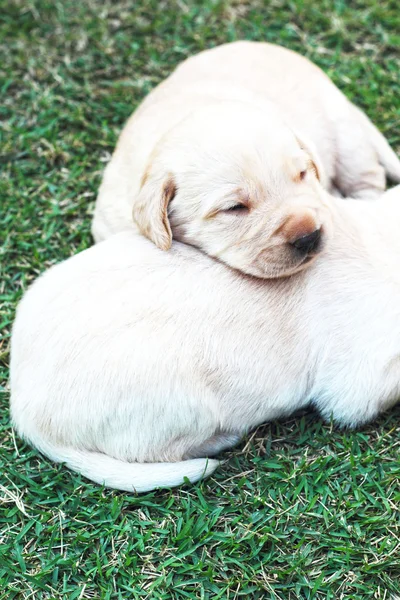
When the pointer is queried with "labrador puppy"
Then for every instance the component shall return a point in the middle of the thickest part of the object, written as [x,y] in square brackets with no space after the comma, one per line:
[133,365]
[230,155]
[249,195]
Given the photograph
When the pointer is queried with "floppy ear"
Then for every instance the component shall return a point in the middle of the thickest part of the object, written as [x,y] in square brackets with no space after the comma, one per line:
[309,147]
[150,209]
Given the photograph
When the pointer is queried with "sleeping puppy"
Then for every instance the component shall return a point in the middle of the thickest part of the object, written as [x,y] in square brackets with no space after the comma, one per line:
[133,365]
[230,153]
[256,205]
[249,195]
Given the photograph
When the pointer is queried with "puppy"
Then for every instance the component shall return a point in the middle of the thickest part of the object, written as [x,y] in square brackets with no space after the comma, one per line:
[133,365]
[249,195]
[230,154]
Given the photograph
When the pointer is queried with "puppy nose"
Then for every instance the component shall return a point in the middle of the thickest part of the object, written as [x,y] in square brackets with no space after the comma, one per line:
[308,243]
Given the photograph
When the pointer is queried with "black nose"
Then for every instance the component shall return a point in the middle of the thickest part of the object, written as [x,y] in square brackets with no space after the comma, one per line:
[308,243]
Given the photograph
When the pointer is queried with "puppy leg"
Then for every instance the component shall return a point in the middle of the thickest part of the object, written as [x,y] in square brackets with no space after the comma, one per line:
[221,440]
[358,173]
[364,157]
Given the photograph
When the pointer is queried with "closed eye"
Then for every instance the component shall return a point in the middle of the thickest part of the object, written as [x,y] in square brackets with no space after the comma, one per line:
[237,208]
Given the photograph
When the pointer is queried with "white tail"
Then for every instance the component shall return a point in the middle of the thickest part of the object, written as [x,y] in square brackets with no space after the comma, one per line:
[387,157]
[128,476]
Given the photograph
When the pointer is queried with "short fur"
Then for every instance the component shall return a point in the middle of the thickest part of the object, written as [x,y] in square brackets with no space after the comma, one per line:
[250,124]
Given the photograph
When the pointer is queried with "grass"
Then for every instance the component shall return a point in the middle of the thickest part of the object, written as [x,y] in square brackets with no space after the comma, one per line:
[300,510]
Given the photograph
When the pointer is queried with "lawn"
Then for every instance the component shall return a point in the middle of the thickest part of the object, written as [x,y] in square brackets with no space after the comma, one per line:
[300,510]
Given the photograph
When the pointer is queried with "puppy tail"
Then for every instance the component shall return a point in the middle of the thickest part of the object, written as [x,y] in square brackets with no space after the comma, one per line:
[387,157]
[128,476]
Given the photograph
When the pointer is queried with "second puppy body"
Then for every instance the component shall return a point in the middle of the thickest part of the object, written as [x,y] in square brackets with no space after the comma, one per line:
[230,155]
[132,365]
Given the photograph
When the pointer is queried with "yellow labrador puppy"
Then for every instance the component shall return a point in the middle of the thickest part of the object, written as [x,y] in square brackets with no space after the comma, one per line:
[133,365]
[230,154]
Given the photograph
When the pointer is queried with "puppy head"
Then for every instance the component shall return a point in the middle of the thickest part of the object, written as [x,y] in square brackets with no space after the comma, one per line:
[237,183]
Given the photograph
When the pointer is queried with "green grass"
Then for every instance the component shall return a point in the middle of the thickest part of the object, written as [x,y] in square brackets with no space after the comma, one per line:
[300,510]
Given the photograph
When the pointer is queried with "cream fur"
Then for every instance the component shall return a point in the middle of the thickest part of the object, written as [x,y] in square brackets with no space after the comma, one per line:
[131,364]
[238,124]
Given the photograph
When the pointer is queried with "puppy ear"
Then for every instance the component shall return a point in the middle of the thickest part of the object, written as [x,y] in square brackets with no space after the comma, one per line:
[150,209]
[310,149]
